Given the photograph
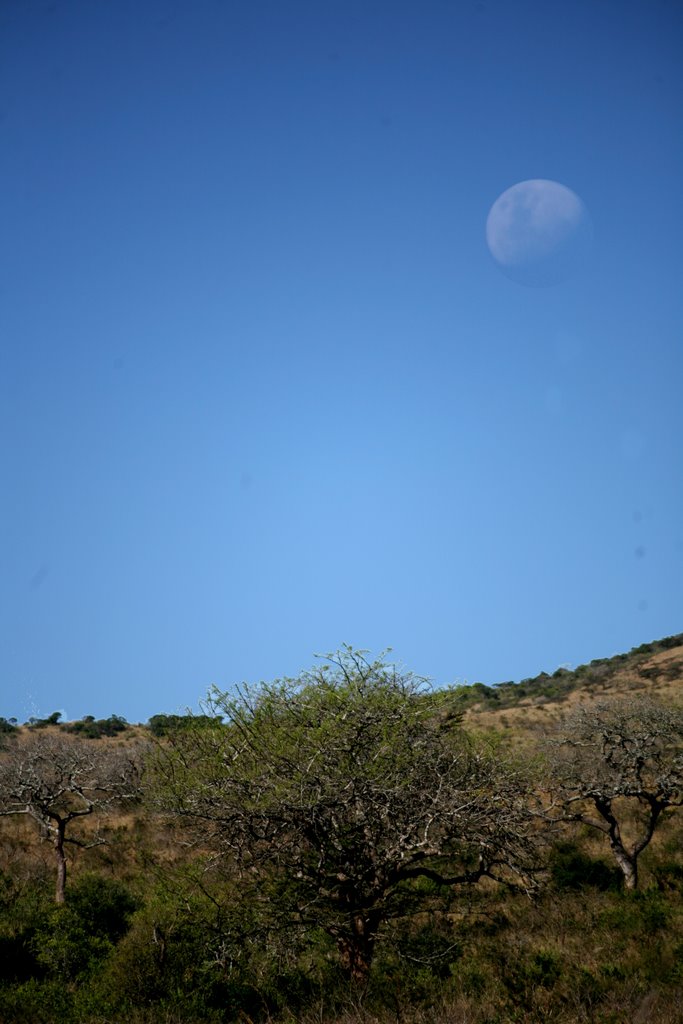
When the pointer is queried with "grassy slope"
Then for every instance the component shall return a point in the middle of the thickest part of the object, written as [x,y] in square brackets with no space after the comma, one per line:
[534,704]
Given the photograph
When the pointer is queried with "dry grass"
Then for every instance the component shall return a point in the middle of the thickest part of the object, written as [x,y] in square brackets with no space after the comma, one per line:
[659,676]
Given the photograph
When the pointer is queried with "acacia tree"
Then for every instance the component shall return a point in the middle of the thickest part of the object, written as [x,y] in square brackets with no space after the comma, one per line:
[60,780]
[345,785]
[617,766]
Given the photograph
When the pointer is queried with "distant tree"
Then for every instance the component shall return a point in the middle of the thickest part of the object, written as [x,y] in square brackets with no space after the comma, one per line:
[163,725]
[95,729]
[42,723]
[58,780]
[343,788]
[617,766]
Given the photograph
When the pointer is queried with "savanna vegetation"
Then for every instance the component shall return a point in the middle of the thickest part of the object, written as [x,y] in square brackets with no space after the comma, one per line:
[352,846]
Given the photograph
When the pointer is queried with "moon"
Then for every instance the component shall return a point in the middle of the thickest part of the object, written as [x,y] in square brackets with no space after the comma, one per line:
[539,232]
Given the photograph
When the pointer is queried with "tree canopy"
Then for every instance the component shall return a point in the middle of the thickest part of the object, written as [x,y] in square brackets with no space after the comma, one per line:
[351,781]
[58,780]
[616,766]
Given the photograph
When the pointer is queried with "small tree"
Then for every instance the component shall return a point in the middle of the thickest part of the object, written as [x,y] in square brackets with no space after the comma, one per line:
[617,766]
[341,788]
[59,780]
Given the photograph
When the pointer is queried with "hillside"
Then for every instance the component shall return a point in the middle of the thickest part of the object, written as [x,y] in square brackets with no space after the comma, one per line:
[653,669]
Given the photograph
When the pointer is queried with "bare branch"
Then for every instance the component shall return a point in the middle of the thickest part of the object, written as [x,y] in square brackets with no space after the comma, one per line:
[58,780]
[617,753]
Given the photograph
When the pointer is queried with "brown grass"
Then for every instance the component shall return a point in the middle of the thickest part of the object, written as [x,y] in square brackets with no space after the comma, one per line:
[658,676]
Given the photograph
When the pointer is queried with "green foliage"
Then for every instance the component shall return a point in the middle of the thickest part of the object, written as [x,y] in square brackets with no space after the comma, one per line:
[167,725]
[21,914]
[201,946]
[103,906]
[192,949]
[641,912]
[524,971]
[72,939]
[668,875]
[46,949]
[42,723]
[36,1001]
[343,787]
[64,947]
[416,961]
[38,937]
[94,729]
[88,726]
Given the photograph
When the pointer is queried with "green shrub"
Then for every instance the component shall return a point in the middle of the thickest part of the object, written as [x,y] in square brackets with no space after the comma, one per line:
[104,906]
[42,723]
[166,725]
[36,1002]
[21,915]
[94,729]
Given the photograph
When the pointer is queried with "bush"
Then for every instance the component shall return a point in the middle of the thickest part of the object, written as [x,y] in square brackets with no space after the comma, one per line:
[177,956]
[42,723]
[71,939]
[94,729]
[166,725]
[103,906]
[35,1002]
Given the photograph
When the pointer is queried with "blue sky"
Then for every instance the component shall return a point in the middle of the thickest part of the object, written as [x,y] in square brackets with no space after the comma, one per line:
[263,388]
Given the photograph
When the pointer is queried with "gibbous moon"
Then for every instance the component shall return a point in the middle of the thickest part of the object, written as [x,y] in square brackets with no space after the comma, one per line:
[539,232]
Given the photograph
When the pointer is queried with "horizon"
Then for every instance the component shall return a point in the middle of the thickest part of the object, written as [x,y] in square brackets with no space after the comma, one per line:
[64,718]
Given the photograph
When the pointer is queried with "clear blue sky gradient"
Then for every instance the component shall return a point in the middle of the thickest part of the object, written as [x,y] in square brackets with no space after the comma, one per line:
[265,391]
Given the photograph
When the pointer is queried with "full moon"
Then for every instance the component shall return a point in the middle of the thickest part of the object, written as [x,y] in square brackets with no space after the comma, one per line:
[539,232]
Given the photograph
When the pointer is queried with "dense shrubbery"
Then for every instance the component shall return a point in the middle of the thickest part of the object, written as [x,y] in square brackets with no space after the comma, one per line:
[166,725]
[42,723]
[88,726]
[94,729]
[188,953]
[47,949]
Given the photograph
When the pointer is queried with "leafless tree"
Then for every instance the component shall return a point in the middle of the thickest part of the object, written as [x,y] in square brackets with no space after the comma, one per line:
[59,780]
[346,785]
[617,766]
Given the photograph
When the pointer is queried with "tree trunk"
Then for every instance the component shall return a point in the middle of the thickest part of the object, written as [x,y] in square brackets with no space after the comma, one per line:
[628,862]
[357,947]
[628,866]
[60,889]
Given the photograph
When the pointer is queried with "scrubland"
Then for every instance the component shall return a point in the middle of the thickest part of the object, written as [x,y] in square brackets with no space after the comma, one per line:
[160,927]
